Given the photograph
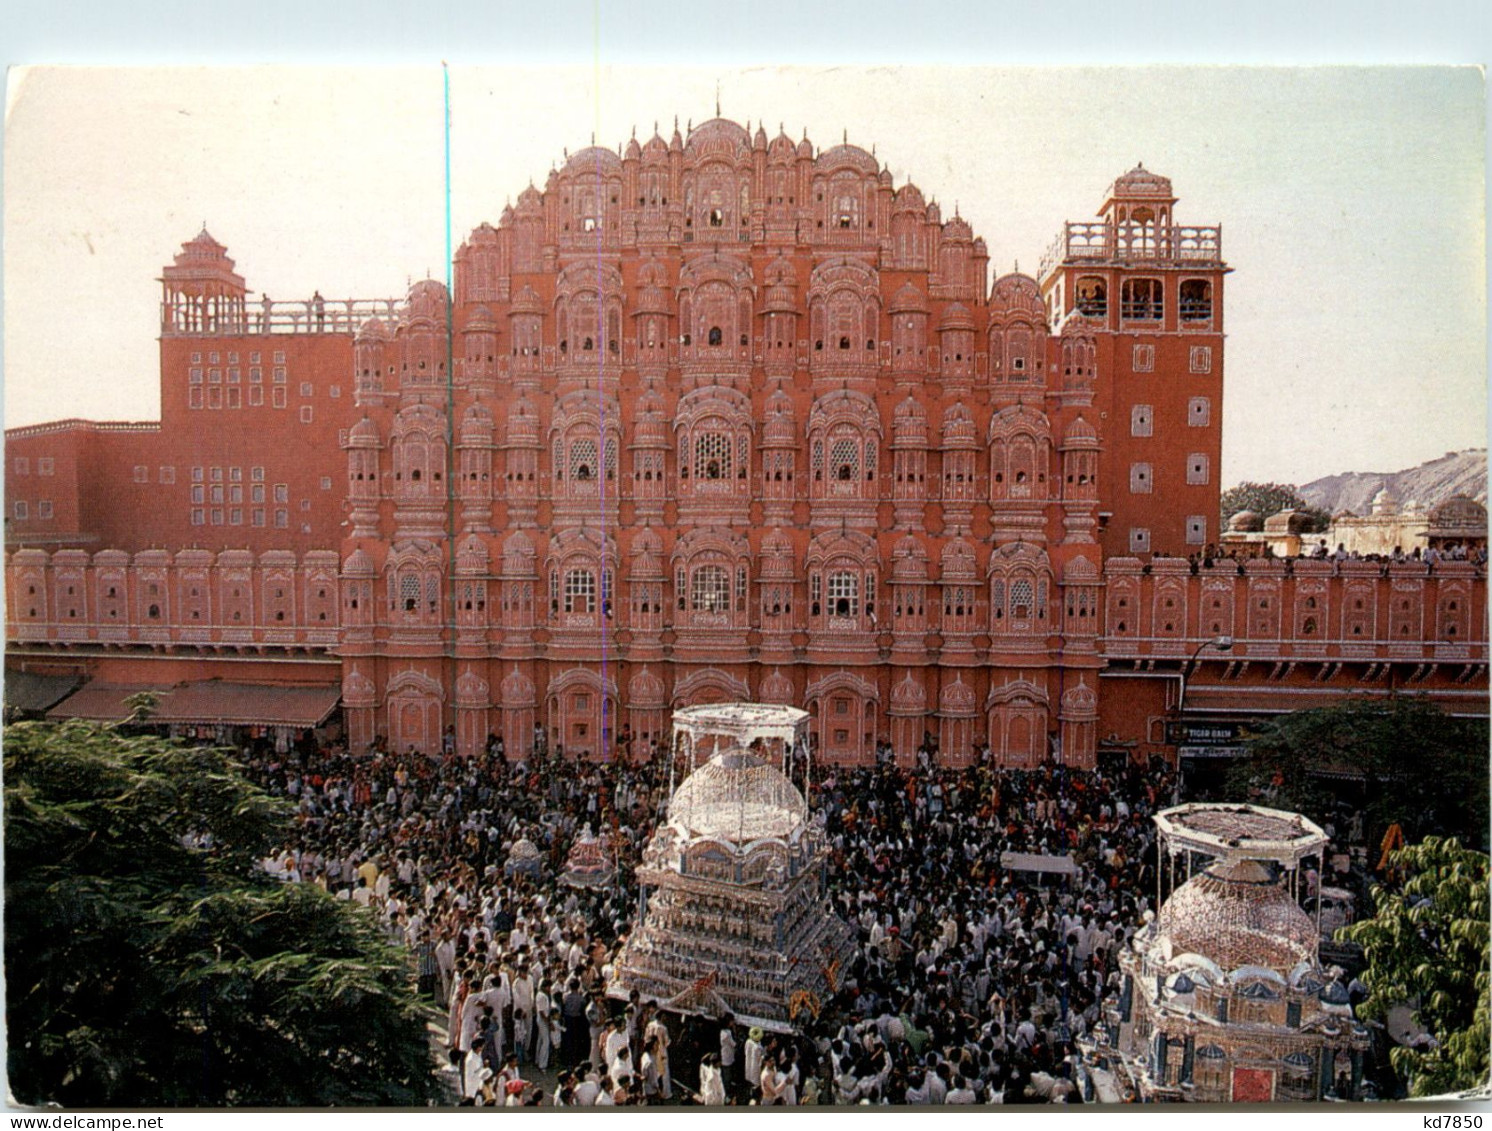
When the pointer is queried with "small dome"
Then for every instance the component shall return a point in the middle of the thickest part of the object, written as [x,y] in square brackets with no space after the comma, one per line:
[645,689]
[656,148]
[364,434]
[358,564]
[479,319]
[910,412]
[373,330]
[1238,914]
[476,425]
[805,147]
[780,430]
[957,230]
[594,159]
[1140,181]
[527,301]
[958,425]
[781,149]
[851,155]
[1017,294]
[634,151]
[956,317]
[1079,434]
[718,132]
[1245,522]
[908,300]
[523,422]
[738,798]
[426,302]
[909,198]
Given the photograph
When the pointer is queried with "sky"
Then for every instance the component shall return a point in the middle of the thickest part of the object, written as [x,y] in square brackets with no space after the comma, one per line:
[1351,200]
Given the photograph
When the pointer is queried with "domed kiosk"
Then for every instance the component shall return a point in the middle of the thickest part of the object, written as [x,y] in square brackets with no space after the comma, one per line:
[734,917]
[1224,997]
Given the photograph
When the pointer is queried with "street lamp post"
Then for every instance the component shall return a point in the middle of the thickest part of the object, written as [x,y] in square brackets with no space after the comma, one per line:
[1222,644]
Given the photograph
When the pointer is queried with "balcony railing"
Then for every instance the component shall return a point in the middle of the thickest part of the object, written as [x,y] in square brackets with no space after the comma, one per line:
[303,316]
[1099,242]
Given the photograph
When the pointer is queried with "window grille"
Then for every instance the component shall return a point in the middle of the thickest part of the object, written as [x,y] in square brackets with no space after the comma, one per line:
[844,594]
[580,591]
[711,590]
[712,456]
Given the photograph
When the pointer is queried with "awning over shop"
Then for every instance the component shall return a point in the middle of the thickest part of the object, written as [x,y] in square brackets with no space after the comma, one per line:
[209,702]
[99,702]
[1036,862]
[28,691]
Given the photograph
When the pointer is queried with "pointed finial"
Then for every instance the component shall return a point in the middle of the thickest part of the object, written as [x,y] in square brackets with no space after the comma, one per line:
[1017,266]
[717,98]
[845,137]
[593,137]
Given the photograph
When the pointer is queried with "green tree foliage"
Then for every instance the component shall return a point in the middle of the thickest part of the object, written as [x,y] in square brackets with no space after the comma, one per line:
[1401,759]
[1266,499]
[144,970]
[1428,942]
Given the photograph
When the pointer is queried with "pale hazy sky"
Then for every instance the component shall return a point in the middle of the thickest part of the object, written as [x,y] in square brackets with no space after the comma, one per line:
[1351,201]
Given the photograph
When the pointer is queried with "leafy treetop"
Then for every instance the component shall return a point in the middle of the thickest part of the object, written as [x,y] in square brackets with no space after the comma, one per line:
[150,961]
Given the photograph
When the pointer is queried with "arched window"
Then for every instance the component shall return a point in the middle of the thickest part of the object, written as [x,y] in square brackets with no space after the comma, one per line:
[710,591]
[715,335]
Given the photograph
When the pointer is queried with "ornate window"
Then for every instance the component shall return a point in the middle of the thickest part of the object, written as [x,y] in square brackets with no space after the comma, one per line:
[710,590]
[580,591]
[583,465]
[844,459]
[409,593]
[844,594]
[712,456]
[1022,599]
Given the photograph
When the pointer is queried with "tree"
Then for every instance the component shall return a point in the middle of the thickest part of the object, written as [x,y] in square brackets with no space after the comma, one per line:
[150,961]
[1266,499]
[1428,943]
[1399,759]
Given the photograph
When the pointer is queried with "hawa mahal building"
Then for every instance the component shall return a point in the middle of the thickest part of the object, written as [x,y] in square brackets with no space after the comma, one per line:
[720,417]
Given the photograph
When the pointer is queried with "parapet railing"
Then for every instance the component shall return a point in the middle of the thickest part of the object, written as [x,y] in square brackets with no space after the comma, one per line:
[1134,243]
[274,316]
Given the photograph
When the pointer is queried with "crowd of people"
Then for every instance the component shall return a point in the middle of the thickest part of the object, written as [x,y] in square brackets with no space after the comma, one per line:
[1211,555]
[972,983]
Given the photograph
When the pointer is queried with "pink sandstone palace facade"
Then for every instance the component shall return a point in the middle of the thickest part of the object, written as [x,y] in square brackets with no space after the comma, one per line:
[719,417]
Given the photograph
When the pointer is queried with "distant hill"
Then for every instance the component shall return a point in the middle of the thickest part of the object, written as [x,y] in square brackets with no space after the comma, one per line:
[1455,473]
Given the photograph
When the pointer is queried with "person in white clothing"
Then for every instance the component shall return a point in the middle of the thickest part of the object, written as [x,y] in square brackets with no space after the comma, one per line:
[754,1055]
[711,1084]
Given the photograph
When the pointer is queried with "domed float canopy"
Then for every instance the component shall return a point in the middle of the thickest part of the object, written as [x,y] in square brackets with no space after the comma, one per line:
[737,797]
[1240,832]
